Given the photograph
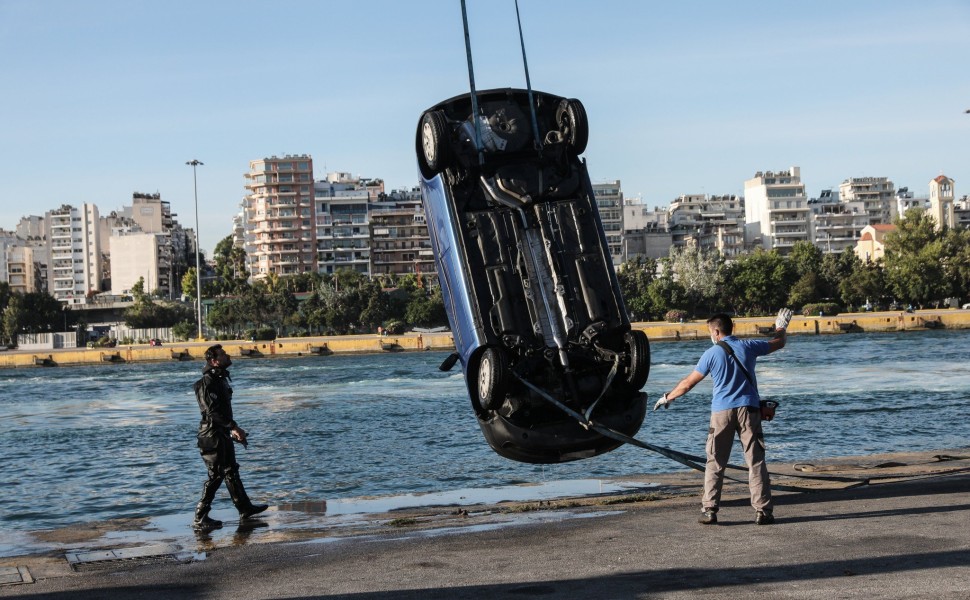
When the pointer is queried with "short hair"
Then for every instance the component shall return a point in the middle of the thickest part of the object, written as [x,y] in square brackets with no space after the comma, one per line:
[722,322]
[212,352]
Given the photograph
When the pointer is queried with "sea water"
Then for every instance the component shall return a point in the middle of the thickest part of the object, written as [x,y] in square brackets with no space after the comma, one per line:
[80,444]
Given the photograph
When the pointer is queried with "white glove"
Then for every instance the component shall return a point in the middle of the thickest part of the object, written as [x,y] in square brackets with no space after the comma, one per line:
[784,316]
[664,402]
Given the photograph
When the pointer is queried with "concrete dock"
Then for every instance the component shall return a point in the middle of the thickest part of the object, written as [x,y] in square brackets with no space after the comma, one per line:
[904,535]
[368,344]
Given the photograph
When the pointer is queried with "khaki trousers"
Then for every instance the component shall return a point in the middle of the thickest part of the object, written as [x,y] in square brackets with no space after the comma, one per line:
[746,421]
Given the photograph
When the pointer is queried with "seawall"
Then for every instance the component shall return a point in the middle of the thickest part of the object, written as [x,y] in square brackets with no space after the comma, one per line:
[370,344]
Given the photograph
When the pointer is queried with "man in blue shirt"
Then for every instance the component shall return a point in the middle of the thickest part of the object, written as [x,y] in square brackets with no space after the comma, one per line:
[736,407]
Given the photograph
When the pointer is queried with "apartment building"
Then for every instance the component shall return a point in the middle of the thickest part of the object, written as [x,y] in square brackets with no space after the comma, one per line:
[713,223]
[836,224]
[877,194]
[21,273]
[342,221]
[278,219]
[152,227]
[73,237]
[400,242]
[609,201]
[776,210]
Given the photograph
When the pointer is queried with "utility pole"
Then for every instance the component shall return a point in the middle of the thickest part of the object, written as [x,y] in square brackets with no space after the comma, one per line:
[198,263]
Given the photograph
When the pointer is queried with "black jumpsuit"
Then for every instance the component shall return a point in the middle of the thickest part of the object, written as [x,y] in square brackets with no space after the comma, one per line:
[214,395]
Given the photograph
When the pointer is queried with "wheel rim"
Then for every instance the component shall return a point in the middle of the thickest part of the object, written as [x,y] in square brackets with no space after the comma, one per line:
[484,376]
[427,142]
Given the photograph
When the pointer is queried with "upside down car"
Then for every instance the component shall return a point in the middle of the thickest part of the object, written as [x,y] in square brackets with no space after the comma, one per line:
[532,298]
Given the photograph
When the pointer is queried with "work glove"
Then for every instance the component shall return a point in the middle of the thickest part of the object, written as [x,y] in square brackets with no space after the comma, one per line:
[664,402]
[784,316]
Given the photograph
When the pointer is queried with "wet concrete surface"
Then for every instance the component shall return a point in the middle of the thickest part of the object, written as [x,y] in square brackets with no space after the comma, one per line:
[903,535]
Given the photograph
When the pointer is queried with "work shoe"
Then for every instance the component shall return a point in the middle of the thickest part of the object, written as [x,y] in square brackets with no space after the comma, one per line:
[252,509]
[205,523]
[764,517]
[708,517]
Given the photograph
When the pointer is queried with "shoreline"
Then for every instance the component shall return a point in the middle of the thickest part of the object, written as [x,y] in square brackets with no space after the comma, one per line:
[923,320]
[915,495]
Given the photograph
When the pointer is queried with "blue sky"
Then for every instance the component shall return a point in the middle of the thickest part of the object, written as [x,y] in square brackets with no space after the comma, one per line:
[103,98]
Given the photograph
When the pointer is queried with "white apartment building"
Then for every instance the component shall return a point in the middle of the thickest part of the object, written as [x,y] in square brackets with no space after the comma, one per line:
[609,201]
[279,216]
[836,225]
[342,220]
[140,255]
[776,210]
[73,236]
[877,194]
[714,223]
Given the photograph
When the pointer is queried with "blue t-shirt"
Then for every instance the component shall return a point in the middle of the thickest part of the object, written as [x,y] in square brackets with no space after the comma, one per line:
[731,388]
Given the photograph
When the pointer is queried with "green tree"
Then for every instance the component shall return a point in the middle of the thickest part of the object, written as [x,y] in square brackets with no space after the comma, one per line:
[188,283]
[697,271]
[634,277]
[665,292]
[757,283]
[230,267]
[866,284]
[13,314]
[915,258]
[836,268]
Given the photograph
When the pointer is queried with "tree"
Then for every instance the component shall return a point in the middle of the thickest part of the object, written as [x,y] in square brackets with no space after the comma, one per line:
[697,272]
[426,309]
[634,277]
[835,269]
[230,267]
[665,293]
[188,283]
[914,260]
[757,283]
[866,284]
[12,315]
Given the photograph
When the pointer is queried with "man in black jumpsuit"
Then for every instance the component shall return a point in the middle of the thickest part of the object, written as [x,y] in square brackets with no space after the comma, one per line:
[217,431]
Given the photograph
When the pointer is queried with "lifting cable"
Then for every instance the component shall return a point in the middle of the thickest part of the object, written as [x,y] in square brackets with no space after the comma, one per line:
[697,462]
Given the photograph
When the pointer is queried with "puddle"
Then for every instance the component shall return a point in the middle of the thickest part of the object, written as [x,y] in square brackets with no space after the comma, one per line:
[551,490]
[311,520]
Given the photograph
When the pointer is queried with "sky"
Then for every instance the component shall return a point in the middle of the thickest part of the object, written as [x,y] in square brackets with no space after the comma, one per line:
[104,98]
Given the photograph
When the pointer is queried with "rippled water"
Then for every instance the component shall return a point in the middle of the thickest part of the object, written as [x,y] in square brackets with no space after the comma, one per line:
[90,443]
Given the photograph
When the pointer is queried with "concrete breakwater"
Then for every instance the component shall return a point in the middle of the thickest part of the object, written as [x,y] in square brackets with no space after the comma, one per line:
[369,344]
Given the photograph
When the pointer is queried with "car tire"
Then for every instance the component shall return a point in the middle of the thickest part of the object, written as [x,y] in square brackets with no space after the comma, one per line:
[571,118]
[493,378]
[638,349]
[435,150]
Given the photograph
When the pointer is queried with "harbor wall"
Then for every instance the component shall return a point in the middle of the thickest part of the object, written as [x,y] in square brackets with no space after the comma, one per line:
[369,344]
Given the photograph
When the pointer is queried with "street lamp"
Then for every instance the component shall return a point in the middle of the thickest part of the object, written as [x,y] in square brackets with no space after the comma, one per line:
[198,267]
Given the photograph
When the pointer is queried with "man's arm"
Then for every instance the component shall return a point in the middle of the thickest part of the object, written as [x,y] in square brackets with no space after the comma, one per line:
[686,384]
[781,330]
[778,342]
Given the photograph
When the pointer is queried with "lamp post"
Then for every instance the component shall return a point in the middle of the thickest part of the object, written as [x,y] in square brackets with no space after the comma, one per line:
[198,266]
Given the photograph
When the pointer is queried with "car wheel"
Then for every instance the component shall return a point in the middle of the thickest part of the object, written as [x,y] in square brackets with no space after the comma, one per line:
[638,349]
[571,118]
[493,378]
[434,143]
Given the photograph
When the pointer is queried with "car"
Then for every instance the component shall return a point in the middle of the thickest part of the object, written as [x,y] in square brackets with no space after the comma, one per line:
[528,282]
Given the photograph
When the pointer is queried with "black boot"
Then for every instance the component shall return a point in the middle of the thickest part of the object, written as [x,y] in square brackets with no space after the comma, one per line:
[240,499]
[202,520]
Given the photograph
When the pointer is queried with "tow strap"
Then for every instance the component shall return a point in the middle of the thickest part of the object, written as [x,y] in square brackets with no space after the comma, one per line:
[697,462]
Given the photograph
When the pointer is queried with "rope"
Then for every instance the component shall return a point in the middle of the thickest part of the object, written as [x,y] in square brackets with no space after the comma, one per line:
[697,462]
[471,83]
[528,82]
